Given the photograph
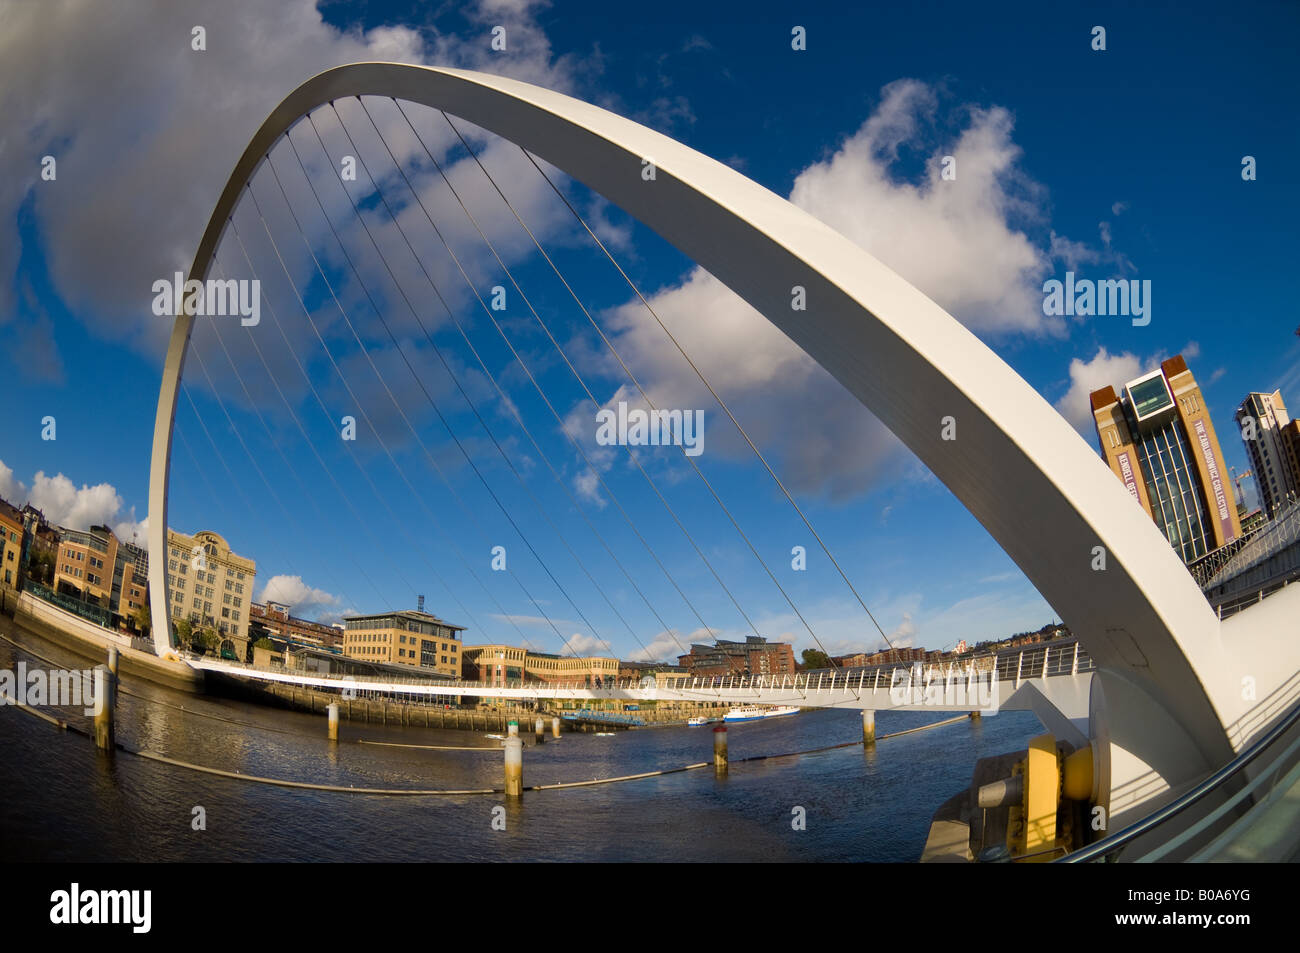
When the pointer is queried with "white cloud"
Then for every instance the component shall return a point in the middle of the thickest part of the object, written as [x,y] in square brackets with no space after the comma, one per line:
[151,128]
[1087,376]
[1106,369]
[955,240]
[303,599]
[903,633]
[664,647]
[959,241]
[581,644]
[132,530]
[11,488]
[66,504]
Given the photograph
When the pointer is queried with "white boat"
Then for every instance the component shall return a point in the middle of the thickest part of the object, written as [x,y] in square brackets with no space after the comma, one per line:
[758,713]
[697,721]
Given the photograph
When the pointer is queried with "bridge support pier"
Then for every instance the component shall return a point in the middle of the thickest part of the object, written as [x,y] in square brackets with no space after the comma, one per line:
[539,728]
[720,749]
[555,726]
[105,700]
[333,712]
[868,727]
[514,764]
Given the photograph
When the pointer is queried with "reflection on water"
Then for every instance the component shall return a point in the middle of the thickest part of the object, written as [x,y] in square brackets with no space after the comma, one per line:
[62,800]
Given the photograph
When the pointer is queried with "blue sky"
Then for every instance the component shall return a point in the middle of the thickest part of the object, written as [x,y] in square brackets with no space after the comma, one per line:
[1117,163]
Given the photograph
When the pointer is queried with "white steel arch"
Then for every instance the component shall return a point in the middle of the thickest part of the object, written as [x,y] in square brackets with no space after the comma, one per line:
[1017,465]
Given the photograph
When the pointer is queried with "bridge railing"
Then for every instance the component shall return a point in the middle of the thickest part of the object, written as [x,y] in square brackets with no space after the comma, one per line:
[1214,822]
[1061,657]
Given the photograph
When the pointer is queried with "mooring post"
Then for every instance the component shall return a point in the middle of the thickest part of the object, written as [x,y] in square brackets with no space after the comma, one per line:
[555,726]
[868,727]
[975,716]
[105,699]
[720,749]
[333,711]
[112,659]
[539,727]
[514,764]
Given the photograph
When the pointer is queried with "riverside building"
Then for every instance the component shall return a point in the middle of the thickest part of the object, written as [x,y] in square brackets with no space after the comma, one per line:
[1157,437]
[210,585]
[404,637]
[1270,436]
[500,664]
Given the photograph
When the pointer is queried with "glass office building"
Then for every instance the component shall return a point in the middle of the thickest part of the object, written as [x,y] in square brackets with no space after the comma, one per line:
[1158,439]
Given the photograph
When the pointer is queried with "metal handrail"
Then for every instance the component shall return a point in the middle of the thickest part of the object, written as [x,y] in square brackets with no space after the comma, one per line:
[1113,842]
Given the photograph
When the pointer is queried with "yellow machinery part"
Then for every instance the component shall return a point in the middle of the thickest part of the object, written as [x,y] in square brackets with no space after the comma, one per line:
[1078,775]
[1042,792]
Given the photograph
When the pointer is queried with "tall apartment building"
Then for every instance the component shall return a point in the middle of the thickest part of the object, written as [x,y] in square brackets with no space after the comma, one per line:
[95,566]
[499,664]
[1157,437]
[209,585]
[405,637]
[754,656]
[1270,437]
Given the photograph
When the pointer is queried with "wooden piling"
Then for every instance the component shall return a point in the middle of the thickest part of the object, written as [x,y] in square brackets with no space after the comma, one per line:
[514,749]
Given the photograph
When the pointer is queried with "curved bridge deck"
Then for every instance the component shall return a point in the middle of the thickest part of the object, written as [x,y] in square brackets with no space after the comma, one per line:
[986,682]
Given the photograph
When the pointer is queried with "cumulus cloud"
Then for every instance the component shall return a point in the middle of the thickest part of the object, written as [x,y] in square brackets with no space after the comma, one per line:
[149,129]
[957,240]
[581,644]
[665,647]
[1106,369]
[1087,376]
[903,634]
[63,502]
[963,242]
[11,488]
[74,507]
[303,599]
